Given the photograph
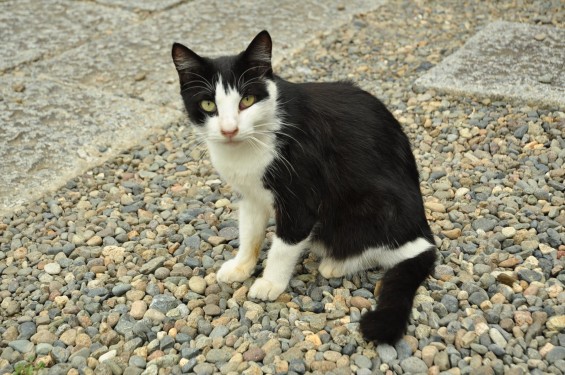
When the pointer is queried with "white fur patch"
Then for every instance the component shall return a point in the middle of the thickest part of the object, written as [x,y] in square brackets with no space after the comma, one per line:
[280,265]
[372,257]
[243,162]
[253,217]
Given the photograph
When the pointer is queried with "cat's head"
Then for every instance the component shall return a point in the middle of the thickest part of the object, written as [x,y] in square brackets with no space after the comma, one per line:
[231,99]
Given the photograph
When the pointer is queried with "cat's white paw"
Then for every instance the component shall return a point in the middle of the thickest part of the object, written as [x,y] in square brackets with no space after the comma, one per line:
[232,271]
[330,268]
[266,290]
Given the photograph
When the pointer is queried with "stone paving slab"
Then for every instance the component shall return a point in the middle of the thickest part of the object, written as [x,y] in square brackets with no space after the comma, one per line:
[51,132]
[31,29]
[506,59]
[150,5]
[136,62]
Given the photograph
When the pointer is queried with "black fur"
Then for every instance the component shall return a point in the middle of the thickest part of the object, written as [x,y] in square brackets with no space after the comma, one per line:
[356,177]
[387,323]
[347,175]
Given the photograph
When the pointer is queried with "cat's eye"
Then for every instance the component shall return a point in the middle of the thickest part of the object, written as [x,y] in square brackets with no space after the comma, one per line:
[247,101]
[208,106]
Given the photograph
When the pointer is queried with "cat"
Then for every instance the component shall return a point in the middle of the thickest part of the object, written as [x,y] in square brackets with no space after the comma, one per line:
[332,165]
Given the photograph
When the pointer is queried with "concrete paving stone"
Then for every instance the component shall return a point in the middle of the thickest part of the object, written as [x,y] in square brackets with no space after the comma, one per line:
[52,132]
[32,29]
[506,59]
[136,61]
[150,5]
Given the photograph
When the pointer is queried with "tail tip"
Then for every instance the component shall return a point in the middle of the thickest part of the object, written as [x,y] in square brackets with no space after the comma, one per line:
[383,327]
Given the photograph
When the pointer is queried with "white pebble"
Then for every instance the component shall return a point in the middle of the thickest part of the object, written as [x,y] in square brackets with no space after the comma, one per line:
[52,268]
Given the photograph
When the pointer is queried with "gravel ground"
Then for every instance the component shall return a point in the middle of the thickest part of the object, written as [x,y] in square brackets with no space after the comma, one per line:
[115,273]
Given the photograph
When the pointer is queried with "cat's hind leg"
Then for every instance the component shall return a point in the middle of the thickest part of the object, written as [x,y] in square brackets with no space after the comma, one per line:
[253,217]
[329,267]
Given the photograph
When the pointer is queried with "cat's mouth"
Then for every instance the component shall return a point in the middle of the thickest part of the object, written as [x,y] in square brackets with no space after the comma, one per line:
[232,142]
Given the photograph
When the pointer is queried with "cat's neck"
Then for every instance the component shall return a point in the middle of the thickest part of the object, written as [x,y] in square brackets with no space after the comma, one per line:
[243,165]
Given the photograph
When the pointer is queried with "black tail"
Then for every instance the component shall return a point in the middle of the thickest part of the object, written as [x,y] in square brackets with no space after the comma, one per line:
[388,322]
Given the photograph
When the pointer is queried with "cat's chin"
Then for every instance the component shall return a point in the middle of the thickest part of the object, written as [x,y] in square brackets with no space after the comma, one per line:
[232,142]
[227,142]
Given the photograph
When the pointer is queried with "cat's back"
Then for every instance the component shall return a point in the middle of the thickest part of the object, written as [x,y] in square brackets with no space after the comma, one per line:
[340,120]
[341,101]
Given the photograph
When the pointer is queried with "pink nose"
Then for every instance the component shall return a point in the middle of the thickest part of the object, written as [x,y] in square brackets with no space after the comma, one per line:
[229,133]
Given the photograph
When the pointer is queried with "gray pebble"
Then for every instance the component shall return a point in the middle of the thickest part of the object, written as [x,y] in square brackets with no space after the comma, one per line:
[363,362]
[27,329]
[529,275]
[485,224]
[478,297]
[450,302]
[218,355]
[556,354]
[164,302]
[121,289]
[386,353]
[22,346]
[219,331]
[414,365]
[152,265]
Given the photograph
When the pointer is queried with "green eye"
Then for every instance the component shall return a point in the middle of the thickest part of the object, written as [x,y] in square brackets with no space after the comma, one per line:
[247,101]
[208,105]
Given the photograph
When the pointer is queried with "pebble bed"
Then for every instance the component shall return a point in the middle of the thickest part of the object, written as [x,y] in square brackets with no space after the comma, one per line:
[115,273]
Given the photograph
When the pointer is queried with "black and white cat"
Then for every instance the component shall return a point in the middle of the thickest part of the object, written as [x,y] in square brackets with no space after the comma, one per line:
[329,161]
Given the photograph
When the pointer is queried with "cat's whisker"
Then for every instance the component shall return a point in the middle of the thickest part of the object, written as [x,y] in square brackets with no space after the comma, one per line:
[281,124]
[277,132]
[238,85]
[249,82]
[281,104]
[210,86]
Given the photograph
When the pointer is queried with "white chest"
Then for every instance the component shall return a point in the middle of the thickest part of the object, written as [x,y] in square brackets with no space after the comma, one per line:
[243,167]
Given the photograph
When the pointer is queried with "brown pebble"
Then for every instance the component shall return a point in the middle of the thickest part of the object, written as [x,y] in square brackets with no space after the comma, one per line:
[378,287]
[98,269]
[254,354]
[509,263]
[212,310]
[18,87]
[156,354]
[539,37]
[360,302]
[506,279]
[452,234]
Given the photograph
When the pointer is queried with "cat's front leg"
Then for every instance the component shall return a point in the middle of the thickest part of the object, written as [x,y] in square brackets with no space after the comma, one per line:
[253,217]
[280,264]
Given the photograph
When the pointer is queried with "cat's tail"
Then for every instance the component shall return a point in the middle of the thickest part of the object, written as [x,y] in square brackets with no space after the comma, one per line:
[388,322]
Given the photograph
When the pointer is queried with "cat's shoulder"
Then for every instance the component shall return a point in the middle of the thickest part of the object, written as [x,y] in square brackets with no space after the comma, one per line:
[320,86]
[321,90]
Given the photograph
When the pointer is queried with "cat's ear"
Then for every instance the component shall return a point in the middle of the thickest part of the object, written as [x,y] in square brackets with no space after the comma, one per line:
[258,52]
[185,59]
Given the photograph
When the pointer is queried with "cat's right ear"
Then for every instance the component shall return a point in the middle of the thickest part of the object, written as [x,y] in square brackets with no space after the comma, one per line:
[185,59]
[258,53]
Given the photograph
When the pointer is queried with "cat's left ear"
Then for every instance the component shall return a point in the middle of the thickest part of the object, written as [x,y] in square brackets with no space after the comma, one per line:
[258,52]
[185,59]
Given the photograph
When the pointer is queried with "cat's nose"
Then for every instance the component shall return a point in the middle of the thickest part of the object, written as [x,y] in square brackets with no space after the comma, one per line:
[229,133]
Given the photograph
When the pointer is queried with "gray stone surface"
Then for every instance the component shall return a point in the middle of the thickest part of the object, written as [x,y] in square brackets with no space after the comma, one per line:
[150,5]
[31,29]
[136,61]
[506,59]
[52,132]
